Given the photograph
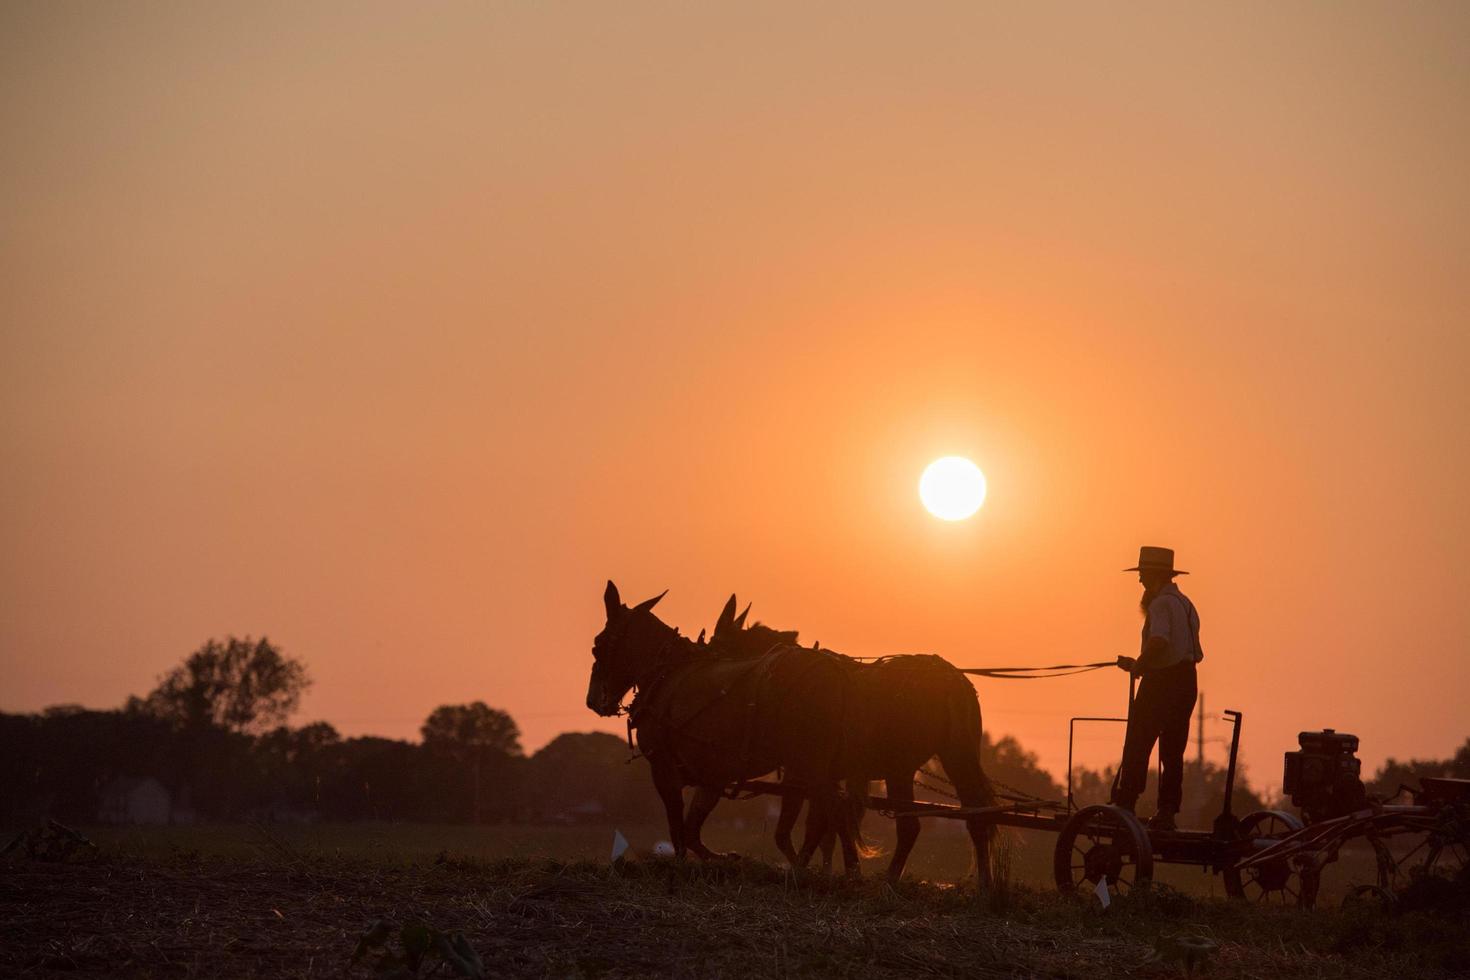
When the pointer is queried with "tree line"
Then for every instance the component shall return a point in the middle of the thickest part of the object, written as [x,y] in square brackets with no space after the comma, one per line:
[214,739]
[214,734]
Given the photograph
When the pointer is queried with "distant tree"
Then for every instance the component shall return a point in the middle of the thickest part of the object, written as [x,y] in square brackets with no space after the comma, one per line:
[585,775]
[1008,765]
[1386,782]
[1007,762]
[386,779]
[241,685]
[58,763]
[462,730]
[1204,792]
[303,749]
[483,739]
[297,745]
[292,763]
[1091,786]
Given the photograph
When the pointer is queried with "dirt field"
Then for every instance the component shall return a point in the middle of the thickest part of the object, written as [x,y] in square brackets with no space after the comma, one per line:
[267,904]
[943,852]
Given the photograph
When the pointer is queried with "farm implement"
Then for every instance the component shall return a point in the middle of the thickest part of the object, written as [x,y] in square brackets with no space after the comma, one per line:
[752,701]
[1431,835]
[1267,856]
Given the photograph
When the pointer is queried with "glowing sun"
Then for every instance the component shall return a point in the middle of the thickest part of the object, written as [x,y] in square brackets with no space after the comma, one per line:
[952,488]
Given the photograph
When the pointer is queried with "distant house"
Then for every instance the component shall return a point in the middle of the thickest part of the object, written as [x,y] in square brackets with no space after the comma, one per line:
[130,800]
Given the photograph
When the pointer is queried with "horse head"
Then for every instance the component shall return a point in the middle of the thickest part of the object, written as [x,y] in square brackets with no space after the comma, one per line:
[628,647]
[732,638]
[729,624]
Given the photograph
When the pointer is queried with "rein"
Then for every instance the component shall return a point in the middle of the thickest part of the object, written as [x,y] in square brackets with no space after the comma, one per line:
[1036,673]
[1023,673]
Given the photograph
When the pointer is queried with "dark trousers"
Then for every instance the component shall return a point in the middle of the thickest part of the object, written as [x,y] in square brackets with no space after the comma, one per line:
[1160,713]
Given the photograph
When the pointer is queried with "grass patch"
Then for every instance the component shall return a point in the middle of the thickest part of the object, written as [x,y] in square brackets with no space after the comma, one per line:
[267,911]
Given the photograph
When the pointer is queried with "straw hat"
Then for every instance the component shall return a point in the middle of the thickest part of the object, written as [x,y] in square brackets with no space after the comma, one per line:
[1151,559]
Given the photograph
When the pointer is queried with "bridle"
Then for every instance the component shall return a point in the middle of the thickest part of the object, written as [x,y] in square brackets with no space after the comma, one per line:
[659,664]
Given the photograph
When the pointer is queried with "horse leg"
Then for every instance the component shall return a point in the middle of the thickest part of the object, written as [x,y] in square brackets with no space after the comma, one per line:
[829,842]
[670,788]
[705,800]
[962,764]
[829,812]
[900,788]
[838,815]
[790,810]
[819,832]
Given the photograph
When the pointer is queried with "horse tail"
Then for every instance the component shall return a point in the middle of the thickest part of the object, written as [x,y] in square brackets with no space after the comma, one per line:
[961,752]
[961,759]
[857,802]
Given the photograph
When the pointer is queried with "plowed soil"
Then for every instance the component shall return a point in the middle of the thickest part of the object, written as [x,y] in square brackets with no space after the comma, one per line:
[129,916]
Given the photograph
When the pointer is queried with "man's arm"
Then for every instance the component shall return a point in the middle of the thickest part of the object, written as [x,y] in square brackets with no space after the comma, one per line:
[1154,650]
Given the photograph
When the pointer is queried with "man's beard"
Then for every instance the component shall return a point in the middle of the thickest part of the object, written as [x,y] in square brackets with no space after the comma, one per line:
[1148,597]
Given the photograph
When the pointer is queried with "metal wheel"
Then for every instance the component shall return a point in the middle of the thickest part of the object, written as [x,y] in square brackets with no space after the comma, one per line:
[1103,847]
[1277,882]
[1448,857]
[1313,867]
[1443,851]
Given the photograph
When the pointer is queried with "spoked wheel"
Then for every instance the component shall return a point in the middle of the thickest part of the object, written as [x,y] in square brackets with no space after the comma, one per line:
[1103,847]
[1449,856]
[1443,852]
[1314,866]
[1275,882]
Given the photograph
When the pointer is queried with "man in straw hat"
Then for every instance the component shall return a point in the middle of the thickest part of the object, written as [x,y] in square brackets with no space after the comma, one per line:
[1167,686]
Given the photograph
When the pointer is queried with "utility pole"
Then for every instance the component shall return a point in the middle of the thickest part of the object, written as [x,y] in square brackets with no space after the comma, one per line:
[1199,752]
[1199,737]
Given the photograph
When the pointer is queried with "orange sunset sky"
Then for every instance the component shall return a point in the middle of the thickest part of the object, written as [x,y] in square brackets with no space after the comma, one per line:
[392,332]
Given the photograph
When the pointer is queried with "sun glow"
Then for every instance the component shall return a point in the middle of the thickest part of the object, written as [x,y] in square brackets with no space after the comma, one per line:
[952,488]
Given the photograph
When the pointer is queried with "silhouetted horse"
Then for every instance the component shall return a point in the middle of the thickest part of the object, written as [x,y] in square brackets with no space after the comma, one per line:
[910,709]
[712,722]
[733,640]
[905,711]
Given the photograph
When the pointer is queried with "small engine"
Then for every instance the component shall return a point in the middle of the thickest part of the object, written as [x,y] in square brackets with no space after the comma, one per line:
[1325,777]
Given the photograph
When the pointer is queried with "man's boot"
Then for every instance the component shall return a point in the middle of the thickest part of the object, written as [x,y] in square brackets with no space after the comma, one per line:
[1163,820]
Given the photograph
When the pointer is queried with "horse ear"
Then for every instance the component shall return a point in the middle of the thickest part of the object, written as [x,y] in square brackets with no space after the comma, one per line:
[612,600]
[648,604]
[740,620]
[726,622]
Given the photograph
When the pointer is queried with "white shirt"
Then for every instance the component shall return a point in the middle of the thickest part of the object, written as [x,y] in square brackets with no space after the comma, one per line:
[1172,616]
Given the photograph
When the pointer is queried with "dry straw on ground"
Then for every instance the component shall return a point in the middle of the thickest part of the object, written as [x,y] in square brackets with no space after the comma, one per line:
[290,915]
